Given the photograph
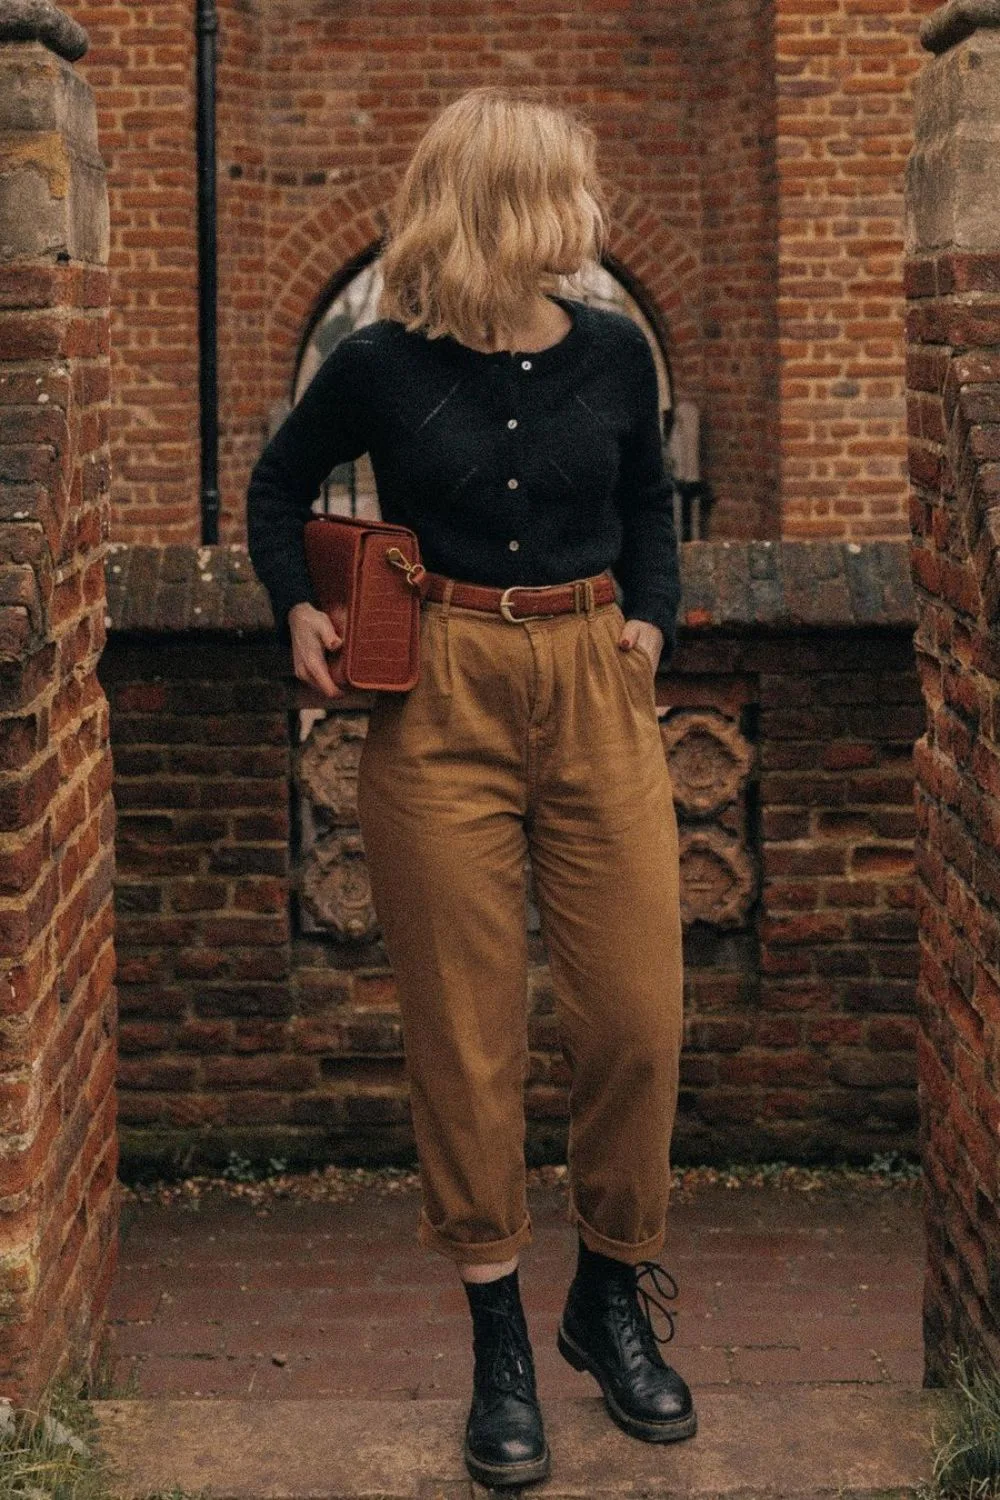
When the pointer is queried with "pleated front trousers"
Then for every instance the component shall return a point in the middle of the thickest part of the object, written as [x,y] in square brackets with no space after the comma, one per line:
[532,740]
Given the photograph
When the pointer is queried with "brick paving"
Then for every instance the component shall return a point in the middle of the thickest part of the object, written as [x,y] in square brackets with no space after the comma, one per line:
[225,1298]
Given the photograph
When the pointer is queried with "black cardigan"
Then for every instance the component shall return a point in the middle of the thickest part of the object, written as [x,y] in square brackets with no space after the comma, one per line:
[524,468]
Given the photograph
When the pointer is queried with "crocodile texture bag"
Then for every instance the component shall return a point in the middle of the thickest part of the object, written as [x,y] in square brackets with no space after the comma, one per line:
[367,577]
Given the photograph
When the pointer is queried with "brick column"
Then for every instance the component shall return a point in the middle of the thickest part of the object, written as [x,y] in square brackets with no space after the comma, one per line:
[57,1001]
[844,70]
[953,379]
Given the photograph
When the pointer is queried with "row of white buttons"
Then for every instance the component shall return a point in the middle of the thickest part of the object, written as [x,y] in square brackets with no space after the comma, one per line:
[512,483]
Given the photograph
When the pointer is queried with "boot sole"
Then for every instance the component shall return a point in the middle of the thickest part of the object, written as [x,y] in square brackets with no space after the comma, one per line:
[651,1432]
[507,1474]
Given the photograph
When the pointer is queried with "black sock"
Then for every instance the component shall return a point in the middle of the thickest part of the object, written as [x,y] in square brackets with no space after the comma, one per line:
[593,1262]
[489,1293]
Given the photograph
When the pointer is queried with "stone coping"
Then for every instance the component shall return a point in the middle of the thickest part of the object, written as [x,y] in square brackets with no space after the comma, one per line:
[957,21]
[726,585]
[172,588]
[40,21]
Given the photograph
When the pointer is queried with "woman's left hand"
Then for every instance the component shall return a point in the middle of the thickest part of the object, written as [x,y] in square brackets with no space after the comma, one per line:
[641,635]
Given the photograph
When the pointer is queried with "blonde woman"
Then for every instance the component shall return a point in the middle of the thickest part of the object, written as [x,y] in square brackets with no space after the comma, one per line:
[517,431]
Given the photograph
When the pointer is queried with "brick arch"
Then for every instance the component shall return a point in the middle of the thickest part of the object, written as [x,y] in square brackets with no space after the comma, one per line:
[668,269]
[310,255]
[306,260]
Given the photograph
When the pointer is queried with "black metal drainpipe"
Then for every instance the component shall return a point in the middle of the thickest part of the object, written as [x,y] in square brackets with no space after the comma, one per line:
[208,363]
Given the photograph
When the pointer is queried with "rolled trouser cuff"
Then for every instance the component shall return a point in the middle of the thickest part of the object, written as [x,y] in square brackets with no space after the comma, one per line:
[473,1252]
[617,1249]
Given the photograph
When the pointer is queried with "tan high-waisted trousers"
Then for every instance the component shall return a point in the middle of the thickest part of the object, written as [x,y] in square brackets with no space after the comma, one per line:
[535,739]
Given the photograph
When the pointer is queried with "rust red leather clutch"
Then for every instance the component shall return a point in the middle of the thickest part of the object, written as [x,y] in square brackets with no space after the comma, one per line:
[367,577]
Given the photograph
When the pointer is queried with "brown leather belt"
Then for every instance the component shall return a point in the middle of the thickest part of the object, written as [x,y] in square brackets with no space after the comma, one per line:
[522,602]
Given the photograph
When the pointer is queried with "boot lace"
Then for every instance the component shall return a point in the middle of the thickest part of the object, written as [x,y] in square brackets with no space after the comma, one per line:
[640,1320]
[507,1364]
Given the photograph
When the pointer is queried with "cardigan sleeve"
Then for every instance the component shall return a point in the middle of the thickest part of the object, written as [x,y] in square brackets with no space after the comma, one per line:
[648,567]
[326,427]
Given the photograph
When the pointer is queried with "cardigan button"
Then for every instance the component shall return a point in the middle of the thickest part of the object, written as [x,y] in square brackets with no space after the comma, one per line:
[526,364]
[512,422]
[513,546]
[512,484]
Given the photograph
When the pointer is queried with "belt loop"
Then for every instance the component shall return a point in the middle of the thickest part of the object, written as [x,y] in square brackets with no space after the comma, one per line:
[449,589]
[588,587]
[579,598]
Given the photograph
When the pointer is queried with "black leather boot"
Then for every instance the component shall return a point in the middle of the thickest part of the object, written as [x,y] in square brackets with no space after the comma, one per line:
[504,1439]
[604,1330]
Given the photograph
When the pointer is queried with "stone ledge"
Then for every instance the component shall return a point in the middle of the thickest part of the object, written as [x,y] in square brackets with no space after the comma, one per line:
[163,590]
[787,584]
[726,585]
[40,21]
[780,1441]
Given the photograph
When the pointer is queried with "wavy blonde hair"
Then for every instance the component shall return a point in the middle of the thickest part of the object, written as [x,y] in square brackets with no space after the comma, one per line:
[501,200]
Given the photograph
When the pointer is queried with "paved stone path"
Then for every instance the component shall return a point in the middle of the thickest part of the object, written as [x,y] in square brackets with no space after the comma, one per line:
[777,1288]
[754,1443]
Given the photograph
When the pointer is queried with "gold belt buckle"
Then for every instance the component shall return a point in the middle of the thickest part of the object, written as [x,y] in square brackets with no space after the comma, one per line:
[519,588]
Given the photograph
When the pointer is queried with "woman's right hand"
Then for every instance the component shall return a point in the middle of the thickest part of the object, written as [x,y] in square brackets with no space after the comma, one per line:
[313,635]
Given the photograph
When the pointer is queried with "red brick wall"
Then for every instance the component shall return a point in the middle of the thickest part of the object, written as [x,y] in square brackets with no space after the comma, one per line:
[754,149]
[844,75]
[318,110]
[243,187]
[954,382]
[141,67]
[57,1000]
[831,1056]
[739,266]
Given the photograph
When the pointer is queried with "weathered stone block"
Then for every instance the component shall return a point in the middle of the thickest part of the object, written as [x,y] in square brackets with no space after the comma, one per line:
[953,174]
[53,196]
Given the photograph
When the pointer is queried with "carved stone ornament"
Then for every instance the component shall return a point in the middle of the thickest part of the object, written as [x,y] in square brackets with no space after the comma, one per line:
[717,878]
[709,759]
[334,891]
[327,766]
